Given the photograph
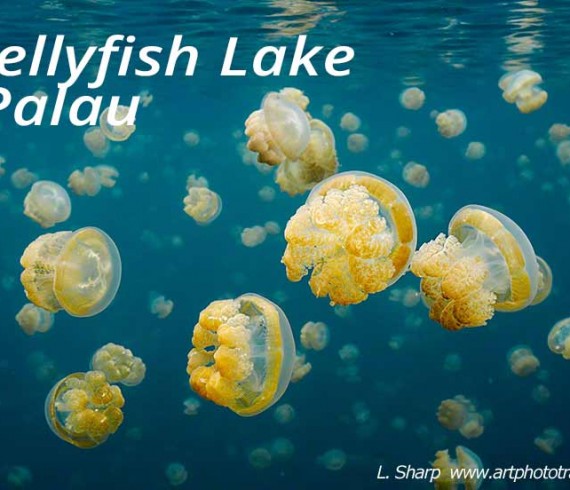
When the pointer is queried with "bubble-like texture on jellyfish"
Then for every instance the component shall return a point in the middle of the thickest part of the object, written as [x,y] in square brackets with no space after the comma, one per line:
[119,365]
[243,354]
[460,414]
[559,338]
[465,460]
[451,123]
[47,203]
[356,231]
[83,409]
[118,132]
[79,271]
[202,205]
[520,88]
[88,182]
[33,319]
[485,264]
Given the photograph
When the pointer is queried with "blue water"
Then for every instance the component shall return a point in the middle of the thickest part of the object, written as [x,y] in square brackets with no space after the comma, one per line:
[456,52]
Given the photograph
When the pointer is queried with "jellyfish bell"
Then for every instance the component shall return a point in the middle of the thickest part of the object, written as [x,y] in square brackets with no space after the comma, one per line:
[203,205]
[466,464]
[47,203]
[117,132]
[78,272]
[520,88]
[451,123]
[544,282]
[522,361]
[118,364]
[559,338]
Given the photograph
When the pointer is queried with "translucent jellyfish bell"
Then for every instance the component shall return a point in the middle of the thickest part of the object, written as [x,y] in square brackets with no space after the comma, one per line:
[47,203]
[485,264]
[203,205]
[356,231]
[33,319]
[559,338]
[243,354]
[79,271]
[118,132]
[118,364]
[466,460]
[83,409]
[544,281]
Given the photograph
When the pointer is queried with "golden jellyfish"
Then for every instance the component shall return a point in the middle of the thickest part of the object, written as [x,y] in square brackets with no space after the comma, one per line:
[460,414]
[284,414]
[280,130]
[96,142]
[194,180]
[243,354]
[350,122]
[301,368]
[485,264]
[563,153]
[90,180]
[333,459]
[357,143]
[119,128]
[544,282]
[254,236]
[33,319]
[451,123]
[314,336]
[549,440]
[83,409]
[559,338]
[356,231]
[475,150]
[160,306]
[176,474]
[467,464]
[272,228]
[23,178]
[327,110]
[47,203]
[191,138]
[192,406]
[118,364]
[266,194]
[416,175]
[520,88]
[79,271]
[202,205]
[558,132]
[412,98]
[522,361]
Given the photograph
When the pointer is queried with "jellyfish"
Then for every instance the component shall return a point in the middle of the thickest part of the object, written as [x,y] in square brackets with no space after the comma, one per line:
[2,162]
[475,151]
[356,231]
[549,440]
[192,406]
[350,122]
[558,132]
[88,182]
[19,477]
[520,88]
[559,338]
[243,354]
[96,142]
[254,236]
[412,98]
[280,130]
[83,409]
[259,458]
[194,180]
[451,123]
[191,138]
[466,464]
[266,193]
[314,335]
[301,368]
[460,414]
[176,474]
[327,110]
[272,228]
[33,319]
[160,306]
[416,175]
[408,297]
[357,143]
[522,361]
[563,153]
[544,281]
[284,414]
[47,203]
[146,98]
[281,449]
[333,459]
[541,394]
[23,178]
[202,205]
[117,132]
[349,353]
[452,363]
[486,264]
[119,365]
[78,272]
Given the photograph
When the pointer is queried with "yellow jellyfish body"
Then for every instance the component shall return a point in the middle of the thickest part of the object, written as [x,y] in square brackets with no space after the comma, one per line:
[119,365]
[475,150]
[451,123]
[333,459]
[522,361]
[460,414]
[357,142]
[314,336]
[280,129]
[47,203]
[301,368]
[33,319]
[160,306]
[559,338]
[350,122]
[83,409]
[22,178]
[117,132]
[88,182]
[356,231]
[520,88]
[412,98]
[79,271]
[544,281]
[243,354]
[253,236]
[549,440]
[96,142]
[191,138]
[467,462]
[563,152]
[416,174]
[485,264]
[203,205]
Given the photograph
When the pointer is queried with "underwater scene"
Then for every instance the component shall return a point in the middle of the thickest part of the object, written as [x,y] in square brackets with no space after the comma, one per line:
[284,244]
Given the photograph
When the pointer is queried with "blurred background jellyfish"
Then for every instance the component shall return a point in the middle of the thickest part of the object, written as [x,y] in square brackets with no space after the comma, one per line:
[176,474]
[520,88]
[486,264]
[96,142]
[412,98]
[18,477]
[357,142]
[202,204]
[118,364]
[118,129]
[416,174]
[333,459]
[451,123]
[191,138]
[475,150]
[281,449]
[33,319]
[284,413]
[2,169]
[259,458]
[549,440]
[522,361]
[314,335]
[90,180]
[559,338]
[160,306]
[544,281]
[192,406]
[301,368]
[22,178]
[47,203]
[356,231]
[83,409]
[350,122]
[563,153]
[253,236]
[243,354]
[459,413]
[79,271]
[558,132]
[465,460]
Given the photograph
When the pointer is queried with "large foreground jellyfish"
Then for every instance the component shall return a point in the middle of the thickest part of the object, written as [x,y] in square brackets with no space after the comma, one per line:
[559,338]
[47,203]
[243,354]
[83,409]
[78,272]
[466,460]
[356,231]
[520,88]
[486,264]
[118,364]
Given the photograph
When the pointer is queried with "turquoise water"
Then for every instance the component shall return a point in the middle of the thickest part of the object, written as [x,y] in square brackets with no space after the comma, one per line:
[456,53]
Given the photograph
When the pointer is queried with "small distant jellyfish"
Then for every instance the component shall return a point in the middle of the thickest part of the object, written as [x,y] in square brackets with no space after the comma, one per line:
[541,394]
[18,477]
[475,151]
[412,98]
[78,272]
[176,474]
[460,414]
[33,319]
[243,354]
[254,236]
[83,409]
[559,338]
[90,180]
[485,264]
[549,441]
[402,132]
[281,449]
[349,353]
[327,110]
[118,132]
[23,178]
[119,365]
[468,465]
[301,368]
[356,231]
[522,361]
[558,132]
[47,203]
[191,138]
[544,281]
[272,228]
[452,363]
[563,152]
[520,88]
[146,98]
[350,122]
[192,406]
[160,306]
[451,123]
[416,175]
[284,414]
[259,458]
[202,205]
[266,194]
[96,142]
[333,459]
[315,336]
[357,142]
[408,297]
